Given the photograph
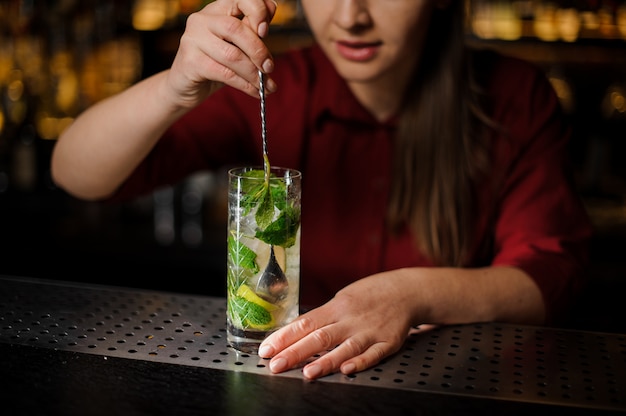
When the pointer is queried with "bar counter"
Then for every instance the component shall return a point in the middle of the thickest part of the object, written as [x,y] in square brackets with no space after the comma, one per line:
[70,348]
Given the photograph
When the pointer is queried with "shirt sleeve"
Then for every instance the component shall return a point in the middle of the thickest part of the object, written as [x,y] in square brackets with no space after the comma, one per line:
[225,130]
[542,226]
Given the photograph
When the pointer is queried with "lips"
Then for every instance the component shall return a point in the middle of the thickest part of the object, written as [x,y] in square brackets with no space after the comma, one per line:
[358,51]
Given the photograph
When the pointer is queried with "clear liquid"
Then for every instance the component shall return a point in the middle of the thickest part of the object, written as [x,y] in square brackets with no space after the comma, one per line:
[246,338]
[244,333]
[245,341]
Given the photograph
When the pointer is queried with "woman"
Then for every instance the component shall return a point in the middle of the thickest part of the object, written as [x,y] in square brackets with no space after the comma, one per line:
[435,181]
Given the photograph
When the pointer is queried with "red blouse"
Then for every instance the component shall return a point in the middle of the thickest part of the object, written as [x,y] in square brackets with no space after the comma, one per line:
[533,218]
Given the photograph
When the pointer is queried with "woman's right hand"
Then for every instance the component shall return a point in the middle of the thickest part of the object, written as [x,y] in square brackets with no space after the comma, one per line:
[222,44]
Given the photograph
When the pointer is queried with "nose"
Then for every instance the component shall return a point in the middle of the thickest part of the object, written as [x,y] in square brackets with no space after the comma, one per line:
[350,14]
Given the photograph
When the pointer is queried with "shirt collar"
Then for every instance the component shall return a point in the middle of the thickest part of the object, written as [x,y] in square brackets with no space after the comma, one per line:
[332,98]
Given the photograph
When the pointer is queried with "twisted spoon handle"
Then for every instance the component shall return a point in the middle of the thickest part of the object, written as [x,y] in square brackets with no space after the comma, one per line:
[266,160]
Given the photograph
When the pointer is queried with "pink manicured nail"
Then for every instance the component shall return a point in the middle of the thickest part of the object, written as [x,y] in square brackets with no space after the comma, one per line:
[266,351]
[348,368]
[312,371]
[278,365]
[270,85]
[268,66]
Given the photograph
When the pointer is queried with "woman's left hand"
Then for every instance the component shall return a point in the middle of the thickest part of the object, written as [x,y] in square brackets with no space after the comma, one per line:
[370,319]
[364,323]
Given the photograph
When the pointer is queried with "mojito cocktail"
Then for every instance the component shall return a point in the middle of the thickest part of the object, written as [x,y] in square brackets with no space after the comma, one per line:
[263,281]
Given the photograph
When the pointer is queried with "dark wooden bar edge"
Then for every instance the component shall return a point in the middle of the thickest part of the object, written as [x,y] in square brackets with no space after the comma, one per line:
[39,381]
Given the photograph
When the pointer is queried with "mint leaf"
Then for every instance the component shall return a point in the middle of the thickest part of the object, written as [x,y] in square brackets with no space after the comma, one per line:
[249,313]
[242,255]
[268,198]
[265,210]
[251,195]
[256,315]
[235,309]
[254,174]
[252,190]
[282,232]
[279,195]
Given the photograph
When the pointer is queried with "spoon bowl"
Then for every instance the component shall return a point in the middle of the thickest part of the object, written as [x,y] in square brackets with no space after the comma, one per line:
[272,285]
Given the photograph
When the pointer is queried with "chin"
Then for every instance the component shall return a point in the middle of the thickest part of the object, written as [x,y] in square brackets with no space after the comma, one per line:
[356,72]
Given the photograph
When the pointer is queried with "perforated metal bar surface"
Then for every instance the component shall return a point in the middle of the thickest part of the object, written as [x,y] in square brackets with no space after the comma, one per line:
[503,362]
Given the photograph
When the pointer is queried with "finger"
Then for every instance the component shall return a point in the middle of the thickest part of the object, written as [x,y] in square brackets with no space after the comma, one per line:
[331,362]
[238,43]
[241,23]
[319,341]
[260,21]
[257,14]
[200,65]
[226,75]
[349,357]
[369,358]
[238,54]
[288,335]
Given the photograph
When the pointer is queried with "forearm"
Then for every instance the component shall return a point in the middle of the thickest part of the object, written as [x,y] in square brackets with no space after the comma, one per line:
[452,296]
[106,142]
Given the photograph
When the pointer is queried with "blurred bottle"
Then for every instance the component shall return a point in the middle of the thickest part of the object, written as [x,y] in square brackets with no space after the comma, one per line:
[568,21]
[607,14]
[20,53]
[614,103]
[545,21]
[164,216]
[590,19]
[194,194]
[548,20]
[497,19]
[151,15]
[621,20]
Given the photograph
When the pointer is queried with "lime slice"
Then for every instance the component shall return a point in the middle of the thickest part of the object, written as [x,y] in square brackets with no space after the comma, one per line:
[246,314]
[248,294]
[257,312]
